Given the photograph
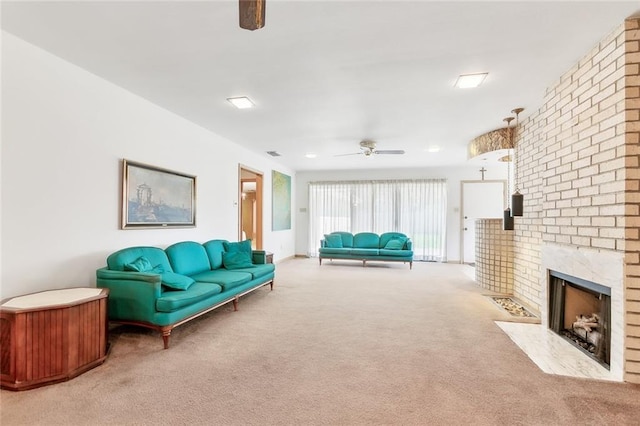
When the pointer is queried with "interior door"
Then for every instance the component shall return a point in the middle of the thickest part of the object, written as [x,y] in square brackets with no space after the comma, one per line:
[480,200]
[250,206]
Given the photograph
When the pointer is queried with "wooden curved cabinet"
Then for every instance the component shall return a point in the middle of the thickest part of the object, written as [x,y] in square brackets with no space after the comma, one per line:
[52,336]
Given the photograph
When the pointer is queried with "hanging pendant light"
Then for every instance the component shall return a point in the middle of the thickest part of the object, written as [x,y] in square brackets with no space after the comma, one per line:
[517,202]
[517,199]
[507,218]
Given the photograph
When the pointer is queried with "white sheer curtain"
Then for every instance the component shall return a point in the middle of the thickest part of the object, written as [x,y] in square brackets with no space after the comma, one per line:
[416,208]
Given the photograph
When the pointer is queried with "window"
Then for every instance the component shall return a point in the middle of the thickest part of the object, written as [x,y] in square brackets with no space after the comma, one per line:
[416,208]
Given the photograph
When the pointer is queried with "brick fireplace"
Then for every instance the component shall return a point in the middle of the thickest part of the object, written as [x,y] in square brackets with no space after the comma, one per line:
[579,170]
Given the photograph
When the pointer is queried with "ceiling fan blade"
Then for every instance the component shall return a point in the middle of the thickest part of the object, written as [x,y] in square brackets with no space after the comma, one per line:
[353,153]
[389,151]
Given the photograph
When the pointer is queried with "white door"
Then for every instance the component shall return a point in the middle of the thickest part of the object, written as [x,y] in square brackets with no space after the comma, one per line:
[480,200]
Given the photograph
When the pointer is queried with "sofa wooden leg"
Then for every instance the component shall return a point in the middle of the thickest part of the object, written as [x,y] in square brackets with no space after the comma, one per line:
[271,285]
[235,304]
[364,263]
[166,332]
[320,260]
[411,265]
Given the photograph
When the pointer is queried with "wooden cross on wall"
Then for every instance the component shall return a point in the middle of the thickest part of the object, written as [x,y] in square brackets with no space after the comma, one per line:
[482,170]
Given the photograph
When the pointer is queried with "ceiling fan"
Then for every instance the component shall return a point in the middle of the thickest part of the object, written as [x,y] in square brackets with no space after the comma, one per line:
[368,148]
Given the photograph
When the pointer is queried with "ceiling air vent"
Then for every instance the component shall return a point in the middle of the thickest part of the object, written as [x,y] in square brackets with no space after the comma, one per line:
[273,153]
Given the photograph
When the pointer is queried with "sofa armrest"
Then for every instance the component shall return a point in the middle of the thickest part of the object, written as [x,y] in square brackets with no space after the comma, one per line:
[132,295]
[408,245]
[108,274]
[259,257]
[323,243]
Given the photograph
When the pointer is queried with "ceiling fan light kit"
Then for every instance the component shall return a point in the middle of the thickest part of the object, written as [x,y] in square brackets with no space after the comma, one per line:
[368,148]
[252,13]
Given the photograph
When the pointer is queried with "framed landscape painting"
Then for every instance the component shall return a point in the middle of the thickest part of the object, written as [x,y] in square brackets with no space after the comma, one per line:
[280,201]
[156,198]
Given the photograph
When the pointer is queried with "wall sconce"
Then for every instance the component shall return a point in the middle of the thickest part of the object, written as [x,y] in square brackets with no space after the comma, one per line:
[517,199]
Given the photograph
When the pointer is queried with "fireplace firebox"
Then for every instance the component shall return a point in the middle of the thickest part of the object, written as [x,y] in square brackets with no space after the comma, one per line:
[580,311]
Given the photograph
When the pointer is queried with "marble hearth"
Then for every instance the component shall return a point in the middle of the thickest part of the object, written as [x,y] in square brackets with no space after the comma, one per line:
[602,267]
[552,353]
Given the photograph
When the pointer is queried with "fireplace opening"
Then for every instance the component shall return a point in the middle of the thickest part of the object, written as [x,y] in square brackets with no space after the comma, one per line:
[580,311]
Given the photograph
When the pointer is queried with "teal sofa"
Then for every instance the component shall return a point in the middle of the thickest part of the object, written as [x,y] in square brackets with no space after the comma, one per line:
[367,246]
[162,289]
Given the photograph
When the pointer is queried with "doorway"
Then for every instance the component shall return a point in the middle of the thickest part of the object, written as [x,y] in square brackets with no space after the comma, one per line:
[480,200]
[250,184]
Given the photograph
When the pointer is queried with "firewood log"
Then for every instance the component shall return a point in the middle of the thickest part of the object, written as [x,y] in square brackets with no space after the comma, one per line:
[586,323]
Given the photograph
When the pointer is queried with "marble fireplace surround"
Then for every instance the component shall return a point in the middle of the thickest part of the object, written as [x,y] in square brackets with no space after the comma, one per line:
[602,267]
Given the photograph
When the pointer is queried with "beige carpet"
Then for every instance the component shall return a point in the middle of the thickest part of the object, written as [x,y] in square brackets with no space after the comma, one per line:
[332,345]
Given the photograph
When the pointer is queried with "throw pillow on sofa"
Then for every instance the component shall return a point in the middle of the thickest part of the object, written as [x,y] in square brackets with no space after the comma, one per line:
[176,281]
[141,264]
[333,241]
[236,260]
[169,279]
[395,243]
[242,246]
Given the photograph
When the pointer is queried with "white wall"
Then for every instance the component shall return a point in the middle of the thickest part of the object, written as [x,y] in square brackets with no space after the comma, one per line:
[64,133]
[453,175]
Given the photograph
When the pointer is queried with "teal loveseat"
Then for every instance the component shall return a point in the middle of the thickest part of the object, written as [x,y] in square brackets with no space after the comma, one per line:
[162,289]
[367,246]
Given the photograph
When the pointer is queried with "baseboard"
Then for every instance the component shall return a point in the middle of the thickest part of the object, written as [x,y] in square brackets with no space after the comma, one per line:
[284,258]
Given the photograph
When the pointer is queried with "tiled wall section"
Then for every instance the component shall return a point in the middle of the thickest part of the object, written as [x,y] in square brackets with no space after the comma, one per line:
[632,199]
[577,165]
[494,256]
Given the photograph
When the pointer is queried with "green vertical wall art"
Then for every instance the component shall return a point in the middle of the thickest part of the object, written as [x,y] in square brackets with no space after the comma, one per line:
[280,201]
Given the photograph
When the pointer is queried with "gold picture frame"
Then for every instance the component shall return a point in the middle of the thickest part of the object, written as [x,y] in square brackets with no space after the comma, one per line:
[153,197]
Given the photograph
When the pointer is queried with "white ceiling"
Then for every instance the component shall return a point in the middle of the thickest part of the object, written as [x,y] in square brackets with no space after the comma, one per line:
[326,74]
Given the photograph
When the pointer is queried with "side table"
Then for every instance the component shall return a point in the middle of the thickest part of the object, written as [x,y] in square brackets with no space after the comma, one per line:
[52,336]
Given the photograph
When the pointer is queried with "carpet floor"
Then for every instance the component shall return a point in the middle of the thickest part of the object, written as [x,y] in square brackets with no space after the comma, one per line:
[336,344]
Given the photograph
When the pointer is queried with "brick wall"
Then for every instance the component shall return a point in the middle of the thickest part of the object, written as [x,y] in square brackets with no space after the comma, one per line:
[529,228]
[632,200]
[577,165]
[582,185]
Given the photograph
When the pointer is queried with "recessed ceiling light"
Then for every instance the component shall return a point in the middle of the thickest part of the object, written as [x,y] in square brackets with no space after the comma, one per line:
[467,81]
[310,155]
[433,148]
[242,102]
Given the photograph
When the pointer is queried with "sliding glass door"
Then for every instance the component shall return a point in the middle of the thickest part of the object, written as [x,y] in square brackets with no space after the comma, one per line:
[416,208]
